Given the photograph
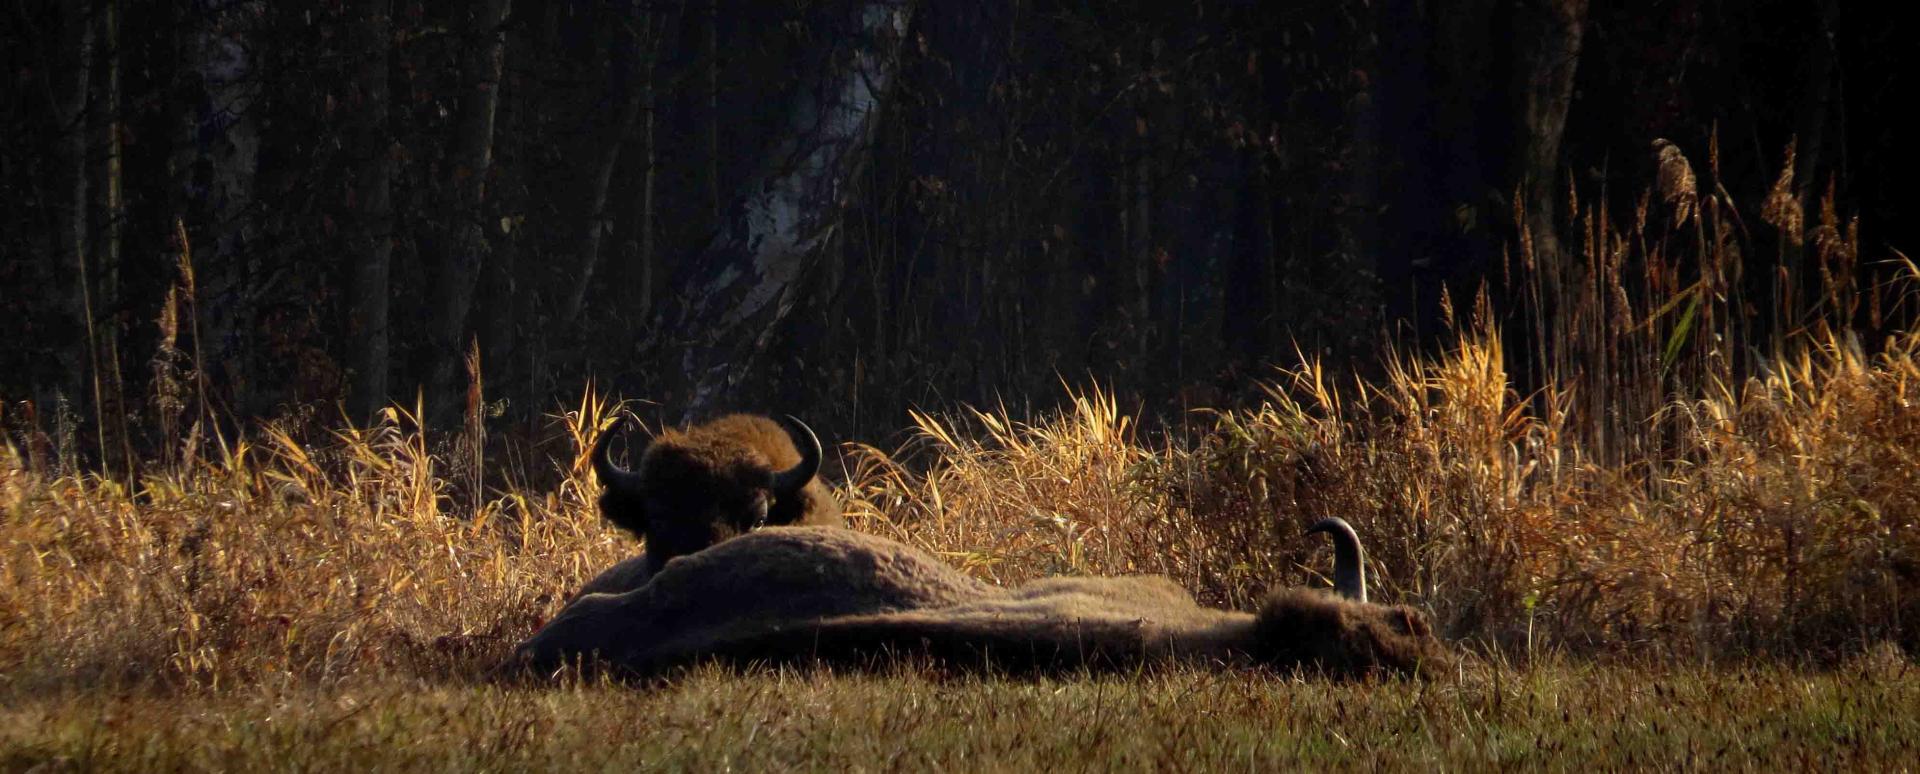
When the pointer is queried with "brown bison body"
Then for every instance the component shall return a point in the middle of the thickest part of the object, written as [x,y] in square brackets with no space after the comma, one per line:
[801,595]
[697,487]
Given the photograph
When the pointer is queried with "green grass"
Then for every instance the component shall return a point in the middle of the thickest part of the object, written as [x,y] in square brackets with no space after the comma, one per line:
[1865,715]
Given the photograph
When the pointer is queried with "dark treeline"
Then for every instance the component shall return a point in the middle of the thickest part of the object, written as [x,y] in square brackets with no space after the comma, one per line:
[835,207]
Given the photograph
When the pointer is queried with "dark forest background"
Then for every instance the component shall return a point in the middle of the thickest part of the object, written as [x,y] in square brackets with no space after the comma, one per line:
[250,210]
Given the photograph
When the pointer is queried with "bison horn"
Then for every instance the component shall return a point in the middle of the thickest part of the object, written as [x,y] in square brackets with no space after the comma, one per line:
[789,481]
[1349,562]
[612,476]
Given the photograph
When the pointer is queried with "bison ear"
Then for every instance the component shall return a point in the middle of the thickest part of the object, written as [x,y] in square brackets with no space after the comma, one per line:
[626,511]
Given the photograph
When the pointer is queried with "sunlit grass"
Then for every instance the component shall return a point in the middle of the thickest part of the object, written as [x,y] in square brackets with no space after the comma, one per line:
[1783,521]
[284,562]
[275,595]
[1862,717]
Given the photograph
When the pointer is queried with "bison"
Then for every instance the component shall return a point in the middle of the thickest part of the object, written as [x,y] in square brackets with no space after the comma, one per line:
[697,487]
[807,594]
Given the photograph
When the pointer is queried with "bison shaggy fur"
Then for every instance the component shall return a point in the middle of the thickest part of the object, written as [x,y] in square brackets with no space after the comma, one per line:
[826,595]
[696,487]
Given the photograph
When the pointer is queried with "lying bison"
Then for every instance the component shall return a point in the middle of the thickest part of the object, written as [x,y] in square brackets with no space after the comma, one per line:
[796,595]
[694,488]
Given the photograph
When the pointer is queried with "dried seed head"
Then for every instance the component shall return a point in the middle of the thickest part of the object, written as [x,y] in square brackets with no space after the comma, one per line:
[1677,186]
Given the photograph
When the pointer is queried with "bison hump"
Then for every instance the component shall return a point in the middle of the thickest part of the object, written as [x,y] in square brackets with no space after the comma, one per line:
[796,573]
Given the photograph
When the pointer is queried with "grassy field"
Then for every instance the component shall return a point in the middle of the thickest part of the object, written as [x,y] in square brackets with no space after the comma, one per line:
[1862,716]
[333,607]
[1695,563]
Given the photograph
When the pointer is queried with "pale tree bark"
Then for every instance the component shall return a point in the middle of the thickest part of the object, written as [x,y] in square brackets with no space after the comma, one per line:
[215,162]
[371,243]
[744,283]
[1547,36]
[460,247]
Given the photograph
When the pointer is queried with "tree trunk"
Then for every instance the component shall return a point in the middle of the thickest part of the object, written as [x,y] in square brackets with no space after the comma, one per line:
[744,283]
[109,219]
[460,250]
[64,269]
[216,161]
[644,261]
[710,59]
[371,245]
[503,333]
[1547,35]
[626,75]
[1140,246]
[1358,221]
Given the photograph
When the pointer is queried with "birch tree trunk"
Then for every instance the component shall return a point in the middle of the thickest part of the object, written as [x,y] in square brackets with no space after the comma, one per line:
[744,283]
[216,159]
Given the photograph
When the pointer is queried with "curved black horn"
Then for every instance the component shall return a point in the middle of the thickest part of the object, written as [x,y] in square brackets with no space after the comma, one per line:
[612,476]
[788,481]
[1349,561]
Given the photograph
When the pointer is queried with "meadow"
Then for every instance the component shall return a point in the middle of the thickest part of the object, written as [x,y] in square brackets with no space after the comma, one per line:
[1862,716]
[1682,553]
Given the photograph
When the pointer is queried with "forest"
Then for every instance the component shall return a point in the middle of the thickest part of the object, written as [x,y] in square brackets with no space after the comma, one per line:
[225,212]
[345,334]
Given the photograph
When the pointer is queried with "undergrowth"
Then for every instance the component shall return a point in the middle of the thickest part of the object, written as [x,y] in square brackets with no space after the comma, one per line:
[1688,485]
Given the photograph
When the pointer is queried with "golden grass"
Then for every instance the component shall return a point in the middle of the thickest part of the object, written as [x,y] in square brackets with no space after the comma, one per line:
[1787,518]
[283,562]
[1784,521]
[1648,502]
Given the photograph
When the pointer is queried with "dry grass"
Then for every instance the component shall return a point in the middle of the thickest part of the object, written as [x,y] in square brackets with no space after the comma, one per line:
[1784,521]
[1786,517]
[283,562]
[1697,478]
[1692,485]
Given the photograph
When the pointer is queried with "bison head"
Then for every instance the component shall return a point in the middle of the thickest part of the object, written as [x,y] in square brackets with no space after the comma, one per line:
[700,486]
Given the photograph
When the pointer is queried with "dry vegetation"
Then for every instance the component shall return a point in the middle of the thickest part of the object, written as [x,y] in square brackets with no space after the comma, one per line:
[1699,479]
[1785,520]
[1653,503]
